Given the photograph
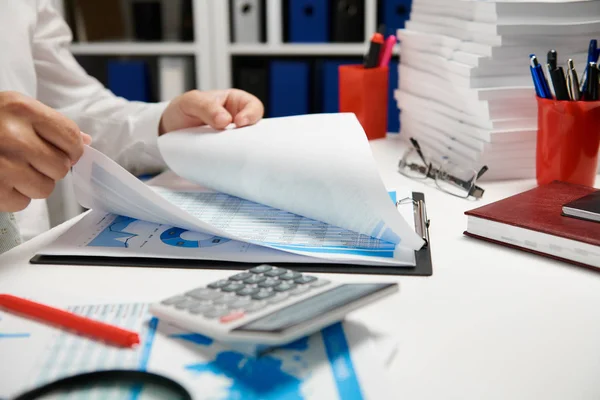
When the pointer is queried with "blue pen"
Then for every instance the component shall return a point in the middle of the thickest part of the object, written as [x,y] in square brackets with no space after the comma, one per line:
[593,53]
[536,84]
[541,78]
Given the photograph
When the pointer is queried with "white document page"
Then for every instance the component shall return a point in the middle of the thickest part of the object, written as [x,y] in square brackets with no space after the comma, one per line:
[318,166]
[336,363]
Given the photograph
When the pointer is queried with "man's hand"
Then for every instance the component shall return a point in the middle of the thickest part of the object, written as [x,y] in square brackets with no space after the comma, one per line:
[38,145]
[217,108]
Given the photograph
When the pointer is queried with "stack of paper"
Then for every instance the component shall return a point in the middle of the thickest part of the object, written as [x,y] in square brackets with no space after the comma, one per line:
[465,89]
[343,361]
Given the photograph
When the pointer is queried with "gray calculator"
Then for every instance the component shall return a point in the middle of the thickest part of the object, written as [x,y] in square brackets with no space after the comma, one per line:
[266,306]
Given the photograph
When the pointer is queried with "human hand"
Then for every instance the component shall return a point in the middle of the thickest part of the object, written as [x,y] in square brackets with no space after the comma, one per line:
[217,108]
[38,145]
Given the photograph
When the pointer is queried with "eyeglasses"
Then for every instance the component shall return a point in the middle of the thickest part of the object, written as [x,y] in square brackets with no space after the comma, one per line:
[449,177]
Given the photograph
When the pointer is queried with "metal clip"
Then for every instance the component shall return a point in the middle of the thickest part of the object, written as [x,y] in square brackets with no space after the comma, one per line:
[420,213]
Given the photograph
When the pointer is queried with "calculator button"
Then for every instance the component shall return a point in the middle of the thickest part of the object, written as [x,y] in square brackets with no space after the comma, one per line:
[276,272]
[263,295]
[261,269]
[216,312]
[226,299]
[279,297]
[204,294]
[173,300]
[219,284]
[305,279]
[289,275]
[240,303]
[187,303]
[232,287]
[254,279]
[200,308]
[248,291]
[232,317]
[301,289]
[269,283]
[284,287]
[320,283]
[241,276]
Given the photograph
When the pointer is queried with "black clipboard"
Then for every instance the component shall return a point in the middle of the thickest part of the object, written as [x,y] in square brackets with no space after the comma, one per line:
[423,257]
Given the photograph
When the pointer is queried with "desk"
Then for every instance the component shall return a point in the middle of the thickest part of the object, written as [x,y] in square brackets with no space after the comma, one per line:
[491,323]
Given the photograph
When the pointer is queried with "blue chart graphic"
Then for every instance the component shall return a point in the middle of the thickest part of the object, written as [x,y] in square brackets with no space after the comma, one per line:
[115,235]
[172,237]
[252,378]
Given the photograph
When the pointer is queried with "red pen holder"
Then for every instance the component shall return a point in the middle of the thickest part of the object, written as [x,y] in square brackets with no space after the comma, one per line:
[568,140]
[364,92]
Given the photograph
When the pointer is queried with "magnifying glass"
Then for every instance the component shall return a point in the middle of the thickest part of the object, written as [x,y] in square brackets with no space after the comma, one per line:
[158,386]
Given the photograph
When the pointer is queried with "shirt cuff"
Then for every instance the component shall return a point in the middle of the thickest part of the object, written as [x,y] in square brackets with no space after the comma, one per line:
[144,129]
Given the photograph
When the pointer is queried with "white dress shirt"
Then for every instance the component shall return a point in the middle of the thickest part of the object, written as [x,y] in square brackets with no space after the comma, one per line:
[35,60]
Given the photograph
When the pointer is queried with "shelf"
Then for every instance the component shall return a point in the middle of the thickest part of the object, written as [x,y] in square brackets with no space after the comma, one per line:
[133,48]
[327,49]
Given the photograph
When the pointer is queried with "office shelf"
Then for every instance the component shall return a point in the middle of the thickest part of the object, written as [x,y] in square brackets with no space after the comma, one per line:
[134,48]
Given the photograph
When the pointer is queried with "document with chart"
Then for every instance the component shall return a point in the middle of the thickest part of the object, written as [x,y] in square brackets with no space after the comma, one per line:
[295,189]
[343,361]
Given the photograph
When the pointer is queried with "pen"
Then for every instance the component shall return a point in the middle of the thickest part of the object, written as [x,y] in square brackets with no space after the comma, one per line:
[573,81]
[560,84]
[386,54]
[591,92]
[68,320]
[552,60]
[592,57]
[374,48]
[541,78]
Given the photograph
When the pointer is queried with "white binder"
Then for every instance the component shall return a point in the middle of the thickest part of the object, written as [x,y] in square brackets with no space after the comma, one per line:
[246,19]
[175,76]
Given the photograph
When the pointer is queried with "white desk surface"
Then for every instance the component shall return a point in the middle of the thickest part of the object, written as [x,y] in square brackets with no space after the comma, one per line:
[491,323]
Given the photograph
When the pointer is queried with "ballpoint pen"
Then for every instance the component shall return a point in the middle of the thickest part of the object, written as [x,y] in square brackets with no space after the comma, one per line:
[541,78]
[591,92]
[552,60]
[592,57]
[573,81]
[560,84]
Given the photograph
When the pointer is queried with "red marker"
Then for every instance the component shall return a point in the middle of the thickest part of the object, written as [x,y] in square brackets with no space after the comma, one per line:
[372,59]
[68,320]
[386,54]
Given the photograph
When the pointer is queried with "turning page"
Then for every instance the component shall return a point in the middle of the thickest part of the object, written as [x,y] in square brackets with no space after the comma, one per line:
[317,166]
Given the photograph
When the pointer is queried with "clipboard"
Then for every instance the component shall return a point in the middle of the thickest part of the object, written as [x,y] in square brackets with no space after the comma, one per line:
[423,266]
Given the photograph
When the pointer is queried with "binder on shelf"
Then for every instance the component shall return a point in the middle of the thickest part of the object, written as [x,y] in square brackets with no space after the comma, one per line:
[176,76]
[308,21]
[329,79]
[253,78]
[288,88]
[96,21]
[348,21]
[393,124]
[129,79]
[147,20]
[394,14]
[246,16]
[171,19]
[187,21]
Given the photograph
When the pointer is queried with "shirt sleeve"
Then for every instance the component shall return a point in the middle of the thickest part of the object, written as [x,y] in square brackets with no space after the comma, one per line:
[126,131]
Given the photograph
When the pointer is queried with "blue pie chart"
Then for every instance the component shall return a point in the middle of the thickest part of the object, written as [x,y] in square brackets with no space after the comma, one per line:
[178,237]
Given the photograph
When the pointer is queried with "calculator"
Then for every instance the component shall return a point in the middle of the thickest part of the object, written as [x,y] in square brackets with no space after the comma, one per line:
[266,306]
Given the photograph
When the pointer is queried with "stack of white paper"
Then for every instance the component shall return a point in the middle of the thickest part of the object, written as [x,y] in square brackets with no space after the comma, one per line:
[465,88]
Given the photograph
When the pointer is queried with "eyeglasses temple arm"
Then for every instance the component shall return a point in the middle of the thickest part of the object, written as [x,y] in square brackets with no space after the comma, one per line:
[418,148]
[482,171]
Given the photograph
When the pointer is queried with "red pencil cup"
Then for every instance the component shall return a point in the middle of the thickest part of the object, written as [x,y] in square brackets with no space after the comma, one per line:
[568,139]
[364,92]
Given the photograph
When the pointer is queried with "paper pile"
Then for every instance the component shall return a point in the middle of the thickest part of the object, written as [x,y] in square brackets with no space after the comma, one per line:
[465,89]
[344,361]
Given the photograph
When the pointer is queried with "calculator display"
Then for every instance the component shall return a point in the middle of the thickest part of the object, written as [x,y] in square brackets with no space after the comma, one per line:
[312,307]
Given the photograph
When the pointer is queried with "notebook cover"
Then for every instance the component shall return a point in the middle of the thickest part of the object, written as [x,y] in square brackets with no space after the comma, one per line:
[540,210]
[589,203]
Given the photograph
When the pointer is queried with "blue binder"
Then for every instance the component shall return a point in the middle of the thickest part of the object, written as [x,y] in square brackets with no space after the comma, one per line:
[330,84]
[288,88]
[129,79]
[308,21]
[393,113]
[395,14]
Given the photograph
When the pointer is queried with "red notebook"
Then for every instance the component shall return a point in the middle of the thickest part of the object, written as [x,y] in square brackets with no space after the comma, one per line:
[532,221]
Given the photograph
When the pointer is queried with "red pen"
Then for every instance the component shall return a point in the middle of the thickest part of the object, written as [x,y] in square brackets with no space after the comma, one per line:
[68,320]
[386,53]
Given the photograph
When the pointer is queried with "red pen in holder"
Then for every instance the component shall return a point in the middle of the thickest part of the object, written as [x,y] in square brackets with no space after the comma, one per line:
[364,92]
[568,140]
